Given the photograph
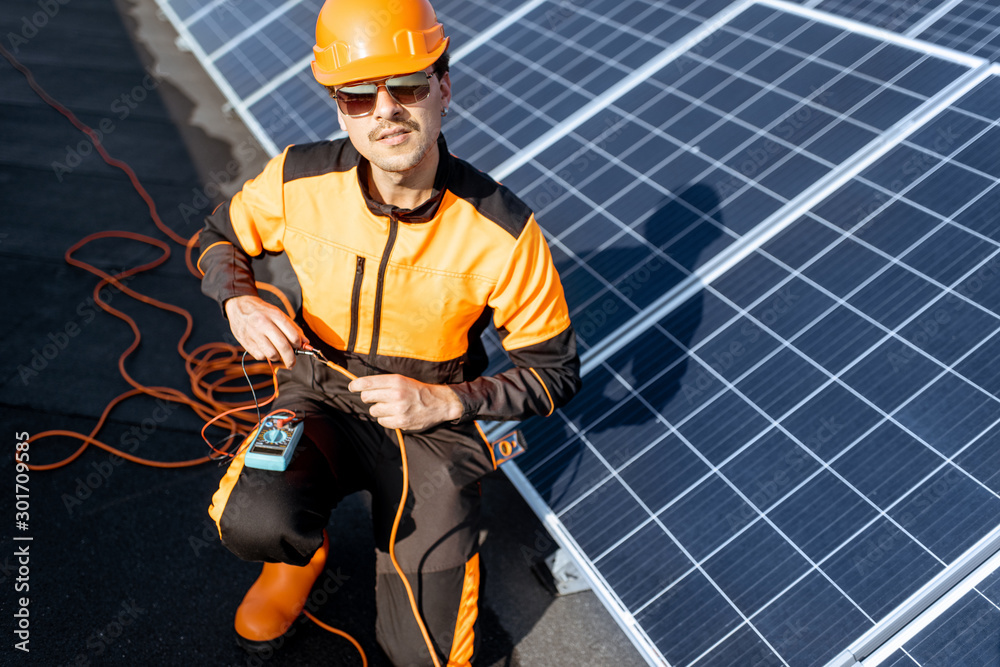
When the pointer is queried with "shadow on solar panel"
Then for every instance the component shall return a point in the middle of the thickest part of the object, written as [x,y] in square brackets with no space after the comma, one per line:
[681,229]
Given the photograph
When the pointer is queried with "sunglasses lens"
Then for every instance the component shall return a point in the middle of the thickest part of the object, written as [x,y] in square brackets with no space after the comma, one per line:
[409,89]
[357,100]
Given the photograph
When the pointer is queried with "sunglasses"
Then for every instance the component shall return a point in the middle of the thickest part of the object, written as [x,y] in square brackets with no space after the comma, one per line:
[359,99]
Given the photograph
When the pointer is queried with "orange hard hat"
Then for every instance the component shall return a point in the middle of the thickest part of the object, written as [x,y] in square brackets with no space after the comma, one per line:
[357,40]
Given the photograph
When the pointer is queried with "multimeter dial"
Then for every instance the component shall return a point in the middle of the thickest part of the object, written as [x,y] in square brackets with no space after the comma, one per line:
[274,436]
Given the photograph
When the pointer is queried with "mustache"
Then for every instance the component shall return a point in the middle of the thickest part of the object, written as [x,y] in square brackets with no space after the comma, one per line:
[407,123]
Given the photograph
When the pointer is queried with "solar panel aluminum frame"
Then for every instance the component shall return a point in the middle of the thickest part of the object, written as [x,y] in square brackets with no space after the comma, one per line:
[642,642]
[932,18]
[912,31]
[934,598]
[871,31]
[954,15]
[917,28]
[979,72]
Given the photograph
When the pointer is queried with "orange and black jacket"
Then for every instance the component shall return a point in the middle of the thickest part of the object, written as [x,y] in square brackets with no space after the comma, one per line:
[387,290]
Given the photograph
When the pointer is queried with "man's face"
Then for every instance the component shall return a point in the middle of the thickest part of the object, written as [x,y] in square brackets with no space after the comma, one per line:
[396,137]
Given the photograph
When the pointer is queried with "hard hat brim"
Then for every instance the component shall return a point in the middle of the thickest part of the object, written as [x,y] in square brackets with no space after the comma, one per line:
[377,67]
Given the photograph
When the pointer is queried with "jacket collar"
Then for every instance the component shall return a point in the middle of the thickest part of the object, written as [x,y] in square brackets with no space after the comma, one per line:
[422,213]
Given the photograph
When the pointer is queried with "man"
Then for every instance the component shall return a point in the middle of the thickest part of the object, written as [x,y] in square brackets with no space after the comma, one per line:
[404,254]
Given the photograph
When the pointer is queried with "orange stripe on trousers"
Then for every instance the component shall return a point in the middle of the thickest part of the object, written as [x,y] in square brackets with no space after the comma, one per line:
[221,496]
[468,610]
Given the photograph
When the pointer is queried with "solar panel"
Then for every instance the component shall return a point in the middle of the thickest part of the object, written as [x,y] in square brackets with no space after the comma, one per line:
[226,23]
[971,27]
[776,230]
[800,410]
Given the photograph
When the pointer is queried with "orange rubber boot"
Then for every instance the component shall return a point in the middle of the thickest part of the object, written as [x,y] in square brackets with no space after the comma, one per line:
[276,599]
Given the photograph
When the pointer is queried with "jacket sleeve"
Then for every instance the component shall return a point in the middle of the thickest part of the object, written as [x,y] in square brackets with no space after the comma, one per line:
[530,312]
[251,223]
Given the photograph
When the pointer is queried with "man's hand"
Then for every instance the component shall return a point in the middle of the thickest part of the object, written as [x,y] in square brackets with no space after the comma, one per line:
[401,402]
[264,330]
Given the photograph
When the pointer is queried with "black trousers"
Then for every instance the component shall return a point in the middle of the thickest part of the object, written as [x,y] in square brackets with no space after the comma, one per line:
[280,516]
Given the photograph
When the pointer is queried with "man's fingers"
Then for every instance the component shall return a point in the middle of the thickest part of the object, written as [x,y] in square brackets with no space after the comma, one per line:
[360,384]
[268,343]
[284,350]
[264,330]
[373,382]
[290,330]
[275,343]
[400,402]
[380,396]
[262,349]
[381,410]
[392,422]
[272,342]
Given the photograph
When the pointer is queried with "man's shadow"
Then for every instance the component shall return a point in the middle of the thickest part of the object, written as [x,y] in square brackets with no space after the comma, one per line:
[682,228]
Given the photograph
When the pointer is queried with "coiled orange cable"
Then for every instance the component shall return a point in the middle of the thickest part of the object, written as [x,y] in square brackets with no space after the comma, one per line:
[202,364]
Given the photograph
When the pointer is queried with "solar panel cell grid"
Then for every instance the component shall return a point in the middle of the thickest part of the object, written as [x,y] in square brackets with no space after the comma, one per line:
[894,15]
[971,27]
[542,70]
[689,630]
[809,617]
[277,46]
[299,110]
[899,659]
[228,20]
[466,19]
[881,567]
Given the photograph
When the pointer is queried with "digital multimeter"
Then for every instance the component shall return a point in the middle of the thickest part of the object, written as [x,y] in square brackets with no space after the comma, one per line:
[273,445]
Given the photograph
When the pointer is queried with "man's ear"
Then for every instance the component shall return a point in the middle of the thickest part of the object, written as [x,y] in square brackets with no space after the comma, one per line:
[445,84]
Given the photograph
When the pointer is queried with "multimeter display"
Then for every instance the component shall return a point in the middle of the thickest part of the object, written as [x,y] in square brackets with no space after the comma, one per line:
[273,445]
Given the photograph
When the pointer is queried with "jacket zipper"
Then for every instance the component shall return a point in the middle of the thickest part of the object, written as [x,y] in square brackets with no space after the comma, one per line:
[376,324]
[359,276]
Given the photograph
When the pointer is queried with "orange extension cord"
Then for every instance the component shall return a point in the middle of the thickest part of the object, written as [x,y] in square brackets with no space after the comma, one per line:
[212,359]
